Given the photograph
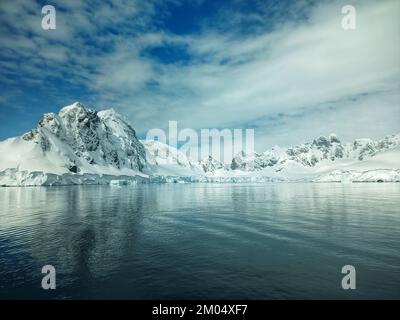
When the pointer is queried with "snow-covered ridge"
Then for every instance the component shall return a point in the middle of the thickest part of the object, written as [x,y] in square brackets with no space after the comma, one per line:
[79,145]
[313,161]
[164,160]
[322,150]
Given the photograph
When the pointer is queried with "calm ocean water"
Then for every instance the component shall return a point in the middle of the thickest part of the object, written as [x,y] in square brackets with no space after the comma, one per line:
[190,241]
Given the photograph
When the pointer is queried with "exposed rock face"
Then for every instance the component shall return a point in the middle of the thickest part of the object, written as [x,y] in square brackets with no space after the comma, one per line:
[209,164]
[310,154]
[102,138]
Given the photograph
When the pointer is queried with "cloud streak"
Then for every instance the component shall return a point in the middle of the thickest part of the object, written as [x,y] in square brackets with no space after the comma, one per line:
[285,70]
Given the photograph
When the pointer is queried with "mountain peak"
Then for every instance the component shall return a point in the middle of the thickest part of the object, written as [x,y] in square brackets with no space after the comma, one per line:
[75,105]
[333,138]
[109,113]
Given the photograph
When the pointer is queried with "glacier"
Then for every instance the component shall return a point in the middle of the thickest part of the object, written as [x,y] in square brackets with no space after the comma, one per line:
[79,145]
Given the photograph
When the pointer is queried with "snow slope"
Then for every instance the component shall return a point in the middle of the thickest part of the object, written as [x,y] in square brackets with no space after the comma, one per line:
[164,160]
[383,167]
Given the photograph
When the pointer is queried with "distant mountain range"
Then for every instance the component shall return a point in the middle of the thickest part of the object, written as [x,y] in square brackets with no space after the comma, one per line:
[78,145]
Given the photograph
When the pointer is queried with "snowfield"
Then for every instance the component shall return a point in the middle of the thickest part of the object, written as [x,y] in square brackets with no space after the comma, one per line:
[79,145]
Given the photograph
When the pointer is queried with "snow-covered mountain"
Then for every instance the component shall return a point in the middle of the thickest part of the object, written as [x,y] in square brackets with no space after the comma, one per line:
[321,150]
[76,140]
[164,160]
[79,145]
[211,166]
[325,159]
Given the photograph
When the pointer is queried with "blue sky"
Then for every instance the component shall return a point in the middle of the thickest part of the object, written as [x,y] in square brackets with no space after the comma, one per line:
[285,68]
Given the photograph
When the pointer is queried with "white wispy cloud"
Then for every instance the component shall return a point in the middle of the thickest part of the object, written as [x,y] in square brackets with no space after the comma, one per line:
[291,79]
